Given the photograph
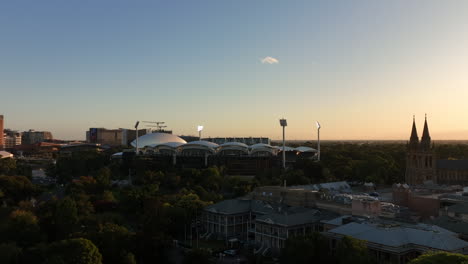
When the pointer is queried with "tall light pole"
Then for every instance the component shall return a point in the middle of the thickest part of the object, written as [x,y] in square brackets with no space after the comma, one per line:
[200,128]
[136,133]
[318,140]
[284,123]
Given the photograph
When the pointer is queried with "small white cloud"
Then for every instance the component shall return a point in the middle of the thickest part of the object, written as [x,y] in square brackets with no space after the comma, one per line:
[269,60]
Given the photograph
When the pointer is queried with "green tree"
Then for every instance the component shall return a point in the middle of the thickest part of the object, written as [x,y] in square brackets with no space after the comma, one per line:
[79,164]
[103,178]
[16,188]
[112,238]
[153,240]
[440,258]
[83,185]
[23,228]
[74,251]
[65,217]
[7,166]
[350,250]
[108,196]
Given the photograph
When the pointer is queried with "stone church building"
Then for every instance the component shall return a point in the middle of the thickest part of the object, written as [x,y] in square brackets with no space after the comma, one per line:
[422,164]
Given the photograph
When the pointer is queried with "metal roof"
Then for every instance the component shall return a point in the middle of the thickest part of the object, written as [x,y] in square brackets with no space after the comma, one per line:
[261,145]
[202,143]
[461,208]
[271,213]
[452,224]
[234,144]
[305,149]
[286,148]
[153,139]
[399,236]
[233,206]
[452,164]
[308,216]
[167,144]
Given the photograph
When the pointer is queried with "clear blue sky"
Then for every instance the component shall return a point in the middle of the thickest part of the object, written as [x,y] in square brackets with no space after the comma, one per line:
[362,68]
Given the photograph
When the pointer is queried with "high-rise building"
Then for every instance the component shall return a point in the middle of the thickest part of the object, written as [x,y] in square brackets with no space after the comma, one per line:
[12,138]
[33,137]
[2,143]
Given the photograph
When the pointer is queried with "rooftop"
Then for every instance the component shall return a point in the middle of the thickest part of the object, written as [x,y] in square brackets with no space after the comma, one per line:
[461,208]
[452,164]
[399,235]
[449,223]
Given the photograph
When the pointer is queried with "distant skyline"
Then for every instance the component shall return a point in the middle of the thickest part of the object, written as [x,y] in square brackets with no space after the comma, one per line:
[362,68]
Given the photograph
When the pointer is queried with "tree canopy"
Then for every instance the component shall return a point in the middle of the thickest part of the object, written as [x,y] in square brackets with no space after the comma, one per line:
[440,258]
[74,251]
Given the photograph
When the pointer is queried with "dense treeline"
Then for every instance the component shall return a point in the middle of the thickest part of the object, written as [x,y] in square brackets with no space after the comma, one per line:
[86,219]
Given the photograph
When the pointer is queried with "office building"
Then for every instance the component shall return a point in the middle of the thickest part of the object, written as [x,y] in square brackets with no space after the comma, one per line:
[12,138]
[33,137]
[112,137]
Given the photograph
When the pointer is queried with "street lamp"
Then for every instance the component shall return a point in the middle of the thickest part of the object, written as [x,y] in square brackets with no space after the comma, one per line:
[318,140]
[200,128]
[284,123]
[136,133]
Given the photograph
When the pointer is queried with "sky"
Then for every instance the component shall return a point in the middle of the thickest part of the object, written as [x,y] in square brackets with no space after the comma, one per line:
[361,68]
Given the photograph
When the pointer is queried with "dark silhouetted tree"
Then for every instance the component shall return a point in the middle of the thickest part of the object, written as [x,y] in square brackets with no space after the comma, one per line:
[73,251]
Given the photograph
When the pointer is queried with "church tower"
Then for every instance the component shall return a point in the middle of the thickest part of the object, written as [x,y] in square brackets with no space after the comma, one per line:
[420,158]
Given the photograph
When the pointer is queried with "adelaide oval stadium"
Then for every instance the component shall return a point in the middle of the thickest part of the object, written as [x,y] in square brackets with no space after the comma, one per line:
[239,158]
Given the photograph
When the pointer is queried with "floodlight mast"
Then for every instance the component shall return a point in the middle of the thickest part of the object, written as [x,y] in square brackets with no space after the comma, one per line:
[284,123]
[199,128]
[136,134]
[318,141]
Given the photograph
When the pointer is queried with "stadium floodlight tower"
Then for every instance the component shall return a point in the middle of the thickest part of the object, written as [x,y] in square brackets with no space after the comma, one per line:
[318,140]
[136,133]
[200,128]
[284,123]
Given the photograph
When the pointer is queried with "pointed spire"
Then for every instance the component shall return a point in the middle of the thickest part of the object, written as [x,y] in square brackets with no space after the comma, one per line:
[414,139]
[426,138]
[414,133]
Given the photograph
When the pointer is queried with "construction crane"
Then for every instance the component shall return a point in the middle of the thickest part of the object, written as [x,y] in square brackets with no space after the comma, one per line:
[159,125]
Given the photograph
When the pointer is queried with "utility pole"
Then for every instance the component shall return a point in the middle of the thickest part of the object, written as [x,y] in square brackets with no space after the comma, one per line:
[284,123]
[318,141]
[136,134]
[200,128]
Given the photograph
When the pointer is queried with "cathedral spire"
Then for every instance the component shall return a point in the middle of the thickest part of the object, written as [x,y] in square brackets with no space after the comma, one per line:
[414,139]
[426,138]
